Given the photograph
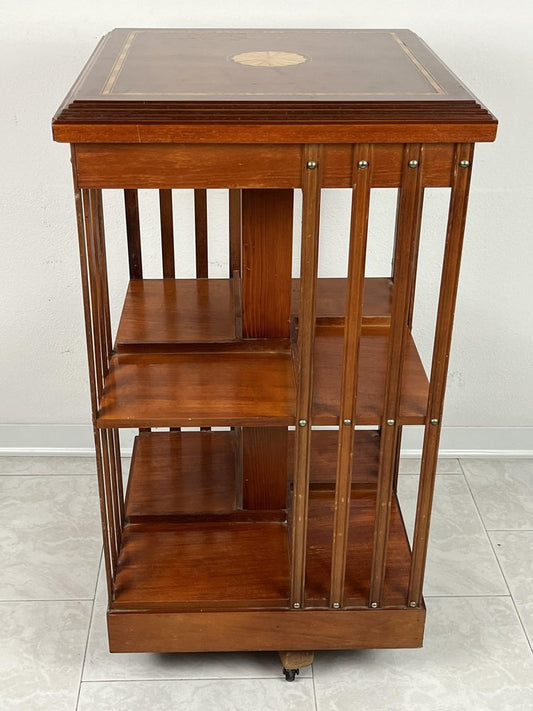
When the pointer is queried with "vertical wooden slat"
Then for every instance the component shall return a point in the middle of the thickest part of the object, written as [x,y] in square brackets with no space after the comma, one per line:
[116,468]
[439,367]
[102,259]
[362,180]
[133,232]
[81,213]
[410,195]
[95,291]
[109,558]
[311,183]
[167,233]
[112,504]
[235,230]
[200,227]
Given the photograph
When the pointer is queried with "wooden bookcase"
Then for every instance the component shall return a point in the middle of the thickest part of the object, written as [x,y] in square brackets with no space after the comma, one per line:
[261,509]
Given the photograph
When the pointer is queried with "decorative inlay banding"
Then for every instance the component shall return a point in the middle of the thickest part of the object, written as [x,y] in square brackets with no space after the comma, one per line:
[270,58]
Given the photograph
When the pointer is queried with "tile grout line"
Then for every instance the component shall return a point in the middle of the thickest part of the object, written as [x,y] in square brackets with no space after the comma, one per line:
[88,631]
[315,699]
[487,531]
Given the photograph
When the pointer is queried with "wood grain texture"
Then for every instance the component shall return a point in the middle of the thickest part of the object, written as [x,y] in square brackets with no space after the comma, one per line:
[264,467]
[264,630]
[266,262]
[189,390]
[162,312]
[186,165]
[187,566]
[371,380]
[183,476]
[384,78]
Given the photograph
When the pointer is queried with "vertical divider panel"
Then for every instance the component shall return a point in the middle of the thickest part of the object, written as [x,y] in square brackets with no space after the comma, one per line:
[311,189]
[410,196]
[361,181]
[133,232]
[167,233]
[439,367]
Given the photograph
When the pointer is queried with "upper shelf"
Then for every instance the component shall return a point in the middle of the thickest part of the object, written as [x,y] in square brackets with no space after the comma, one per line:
[165,314]
[155,85]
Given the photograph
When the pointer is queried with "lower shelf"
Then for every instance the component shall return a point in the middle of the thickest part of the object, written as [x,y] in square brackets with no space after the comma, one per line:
[226,559]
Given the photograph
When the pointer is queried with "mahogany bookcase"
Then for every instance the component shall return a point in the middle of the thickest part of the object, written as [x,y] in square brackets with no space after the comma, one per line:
[261,510]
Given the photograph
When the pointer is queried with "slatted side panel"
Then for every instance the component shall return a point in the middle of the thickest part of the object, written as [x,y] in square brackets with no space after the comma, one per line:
[443,333]
[98,332]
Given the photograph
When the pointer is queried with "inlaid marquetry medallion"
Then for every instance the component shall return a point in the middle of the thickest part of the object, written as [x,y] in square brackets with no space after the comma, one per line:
[269,58]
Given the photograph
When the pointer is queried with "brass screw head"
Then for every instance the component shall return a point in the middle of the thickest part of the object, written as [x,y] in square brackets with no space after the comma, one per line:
[302,423]
[391,423]
[347,422]
[362,165]
[413,164]
[434,421]
[296,605]
[373,605]
[412,604]
[336,605]
[464,164]
[311,164]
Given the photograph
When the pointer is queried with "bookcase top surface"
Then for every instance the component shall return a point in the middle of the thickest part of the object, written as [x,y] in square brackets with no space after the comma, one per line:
[266,76]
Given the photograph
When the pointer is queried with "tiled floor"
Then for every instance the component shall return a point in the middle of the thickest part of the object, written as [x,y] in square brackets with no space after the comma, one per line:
[479,594]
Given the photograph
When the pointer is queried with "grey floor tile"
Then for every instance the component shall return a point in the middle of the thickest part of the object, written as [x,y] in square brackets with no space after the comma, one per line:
[50,547]
[205,695]
[41,654]
[460,558]
[101,665]
[475,657]
[502,490]
[514,550]
[36,466]
[444,466]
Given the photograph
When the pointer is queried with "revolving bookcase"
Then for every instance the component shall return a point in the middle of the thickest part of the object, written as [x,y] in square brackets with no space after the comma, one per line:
[261,510]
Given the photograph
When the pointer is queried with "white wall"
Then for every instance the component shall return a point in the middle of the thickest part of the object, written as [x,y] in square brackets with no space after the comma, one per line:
[44,400]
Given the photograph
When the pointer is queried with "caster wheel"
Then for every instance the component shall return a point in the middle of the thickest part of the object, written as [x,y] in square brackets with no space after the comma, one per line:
[290,674]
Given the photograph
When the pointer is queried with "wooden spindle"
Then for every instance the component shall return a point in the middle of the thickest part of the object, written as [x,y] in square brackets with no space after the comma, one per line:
[362,180]
[133,233]
[311,183]
[410,195]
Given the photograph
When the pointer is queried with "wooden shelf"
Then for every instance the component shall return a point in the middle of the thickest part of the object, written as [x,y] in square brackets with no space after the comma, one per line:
[190,476]
[202,565]
[160,312]
[212,389]
[163,314]
[242,387]
[246,565]
[359,555]
[329,343]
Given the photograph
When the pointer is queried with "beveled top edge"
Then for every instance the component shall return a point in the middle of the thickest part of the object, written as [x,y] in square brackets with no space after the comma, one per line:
[386,76]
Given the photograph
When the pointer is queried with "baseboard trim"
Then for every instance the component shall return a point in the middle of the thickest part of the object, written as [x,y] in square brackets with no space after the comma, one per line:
[456,442]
